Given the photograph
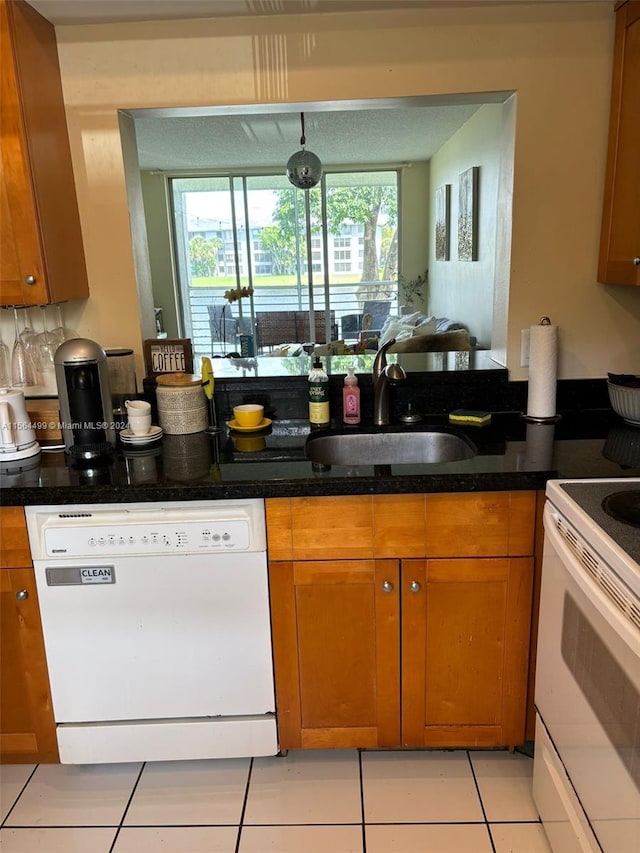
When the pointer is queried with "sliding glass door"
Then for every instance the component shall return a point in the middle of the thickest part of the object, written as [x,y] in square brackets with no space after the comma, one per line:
[255,256]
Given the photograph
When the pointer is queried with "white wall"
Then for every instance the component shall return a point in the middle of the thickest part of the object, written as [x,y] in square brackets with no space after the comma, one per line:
[414,231]
[556,56]
[463,290]
[156,207]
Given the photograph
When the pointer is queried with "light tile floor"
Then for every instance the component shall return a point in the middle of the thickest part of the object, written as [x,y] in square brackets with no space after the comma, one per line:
[341,801]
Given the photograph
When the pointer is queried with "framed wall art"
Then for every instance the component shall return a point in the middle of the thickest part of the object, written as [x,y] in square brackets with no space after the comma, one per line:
[443,213]
[468,215]
[168,356]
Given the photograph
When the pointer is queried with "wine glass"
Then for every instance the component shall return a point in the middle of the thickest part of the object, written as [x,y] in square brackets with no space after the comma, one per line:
[29,338]
[5,363]
[47,344]
[22,370]
[61,332]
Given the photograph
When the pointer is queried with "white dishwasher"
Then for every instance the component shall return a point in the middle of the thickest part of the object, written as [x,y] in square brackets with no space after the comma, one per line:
[156,629]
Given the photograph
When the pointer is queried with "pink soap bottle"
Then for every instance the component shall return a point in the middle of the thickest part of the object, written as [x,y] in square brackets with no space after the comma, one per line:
[351,398]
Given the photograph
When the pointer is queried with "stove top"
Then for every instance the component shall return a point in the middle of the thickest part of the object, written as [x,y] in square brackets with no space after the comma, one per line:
[590,494]
[624,506]
[591,506]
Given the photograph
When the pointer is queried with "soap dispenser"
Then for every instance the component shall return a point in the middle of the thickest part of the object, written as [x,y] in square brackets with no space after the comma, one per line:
[351,398]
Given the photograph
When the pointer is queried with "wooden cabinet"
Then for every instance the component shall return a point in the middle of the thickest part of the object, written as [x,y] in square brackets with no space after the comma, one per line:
[336,628]
[27,728]
[42,257]
[465,648]
[401,619]
[620,237]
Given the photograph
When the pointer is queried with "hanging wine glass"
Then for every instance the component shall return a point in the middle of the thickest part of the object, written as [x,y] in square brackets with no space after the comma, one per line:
[47,344]
[22,370]
[29,337]
[61,332]
[58,333]
[5,363]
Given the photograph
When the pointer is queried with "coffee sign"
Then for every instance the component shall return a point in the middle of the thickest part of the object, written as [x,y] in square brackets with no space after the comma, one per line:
[168,356]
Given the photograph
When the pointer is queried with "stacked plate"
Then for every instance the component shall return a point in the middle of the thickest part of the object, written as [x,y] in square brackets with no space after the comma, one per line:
[130,439]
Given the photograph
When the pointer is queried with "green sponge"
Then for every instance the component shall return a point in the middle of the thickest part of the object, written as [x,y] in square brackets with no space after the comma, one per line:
[469,416]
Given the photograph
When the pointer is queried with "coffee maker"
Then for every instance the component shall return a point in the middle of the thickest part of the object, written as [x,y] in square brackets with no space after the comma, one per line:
[84,397]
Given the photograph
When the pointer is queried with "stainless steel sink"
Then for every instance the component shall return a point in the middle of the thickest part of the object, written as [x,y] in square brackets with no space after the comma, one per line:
[390,446]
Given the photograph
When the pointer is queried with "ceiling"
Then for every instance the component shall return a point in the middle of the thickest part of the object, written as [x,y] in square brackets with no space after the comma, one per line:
[395,133]
[111,11]
[345,133]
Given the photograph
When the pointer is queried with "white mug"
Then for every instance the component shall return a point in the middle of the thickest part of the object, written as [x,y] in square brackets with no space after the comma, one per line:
[140,424]
[136,408]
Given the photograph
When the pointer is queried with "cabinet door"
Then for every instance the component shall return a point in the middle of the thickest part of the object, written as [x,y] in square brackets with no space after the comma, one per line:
[27,728]
[620,238]
[336,639]
[42,252]
[21,254]
[465,641]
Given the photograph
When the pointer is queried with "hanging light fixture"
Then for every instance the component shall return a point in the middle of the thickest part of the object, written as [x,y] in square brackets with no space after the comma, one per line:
[304,168]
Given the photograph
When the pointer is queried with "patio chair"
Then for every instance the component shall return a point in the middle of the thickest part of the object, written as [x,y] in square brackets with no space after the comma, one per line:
[223,326]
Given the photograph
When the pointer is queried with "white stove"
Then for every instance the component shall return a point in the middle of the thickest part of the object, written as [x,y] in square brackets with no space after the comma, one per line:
[587,751]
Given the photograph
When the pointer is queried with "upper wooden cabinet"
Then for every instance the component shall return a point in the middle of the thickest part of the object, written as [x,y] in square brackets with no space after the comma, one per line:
[42,257]
[620,238]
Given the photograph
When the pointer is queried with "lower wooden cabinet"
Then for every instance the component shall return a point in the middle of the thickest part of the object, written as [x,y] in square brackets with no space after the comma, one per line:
[409,651]
[384,653]
[27,728]
[336,633]
[465,649]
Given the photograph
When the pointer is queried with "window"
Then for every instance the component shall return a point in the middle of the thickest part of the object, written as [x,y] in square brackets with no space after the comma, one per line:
[239,231]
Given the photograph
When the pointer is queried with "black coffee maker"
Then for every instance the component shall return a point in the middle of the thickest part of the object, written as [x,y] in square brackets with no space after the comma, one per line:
[84,396]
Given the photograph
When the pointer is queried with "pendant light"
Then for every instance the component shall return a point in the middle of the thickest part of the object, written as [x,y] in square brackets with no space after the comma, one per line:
[304,168]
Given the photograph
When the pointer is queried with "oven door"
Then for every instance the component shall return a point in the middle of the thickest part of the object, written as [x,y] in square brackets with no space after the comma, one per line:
[588,682]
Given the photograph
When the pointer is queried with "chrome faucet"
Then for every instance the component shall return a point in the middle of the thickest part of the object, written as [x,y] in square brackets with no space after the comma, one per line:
[383,375]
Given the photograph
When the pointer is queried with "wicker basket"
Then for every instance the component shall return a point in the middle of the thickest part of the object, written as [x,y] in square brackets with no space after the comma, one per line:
[625,401]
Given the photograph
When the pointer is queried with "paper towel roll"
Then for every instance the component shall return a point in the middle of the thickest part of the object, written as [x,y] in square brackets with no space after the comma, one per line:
[543,370]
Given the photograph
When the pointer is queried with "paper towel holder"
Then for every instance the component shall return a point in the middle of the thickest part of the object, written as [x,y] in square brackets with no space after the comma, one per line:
[532,420]
[551,419]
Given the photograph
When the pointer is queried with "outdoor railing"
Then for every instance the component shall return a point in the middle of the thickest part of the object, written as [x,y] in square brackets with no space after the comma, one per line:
[345,303]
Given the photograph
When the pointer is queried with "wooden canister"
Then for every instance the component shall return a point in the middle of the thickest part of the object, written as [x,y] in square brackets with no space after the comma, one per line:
[182,404]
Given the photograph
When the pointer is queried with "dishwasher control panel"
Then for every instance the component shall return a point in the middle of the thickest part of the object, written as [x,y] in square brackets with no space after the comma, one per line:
[143,530]
[134,539]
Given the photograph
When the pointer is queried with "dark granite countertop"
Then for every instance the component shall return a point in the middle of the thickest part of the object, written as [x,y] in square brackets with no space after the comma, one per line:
[512,454]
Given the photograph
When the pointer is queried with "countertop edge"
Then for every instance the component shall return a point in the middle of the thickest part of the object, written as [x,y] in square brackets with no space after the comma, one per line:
[313,487]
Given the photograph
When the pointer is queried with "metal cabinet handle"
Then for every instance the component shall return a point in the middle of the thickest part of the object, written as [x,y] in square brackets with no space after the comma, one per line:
[30,279]
[636,262]
[414,586]
[22,594]
[387,586]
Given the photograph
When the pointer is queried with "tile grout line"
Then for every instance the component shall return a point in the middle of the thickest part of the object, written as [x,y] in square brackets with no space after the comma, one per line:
[484,814]
[244,806]
[362,812]
[20,793]
[126,808]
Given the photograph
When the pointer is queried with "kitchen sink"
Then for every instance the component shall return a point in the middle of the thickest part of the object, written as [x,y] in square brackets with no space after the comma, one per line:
[389,446]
